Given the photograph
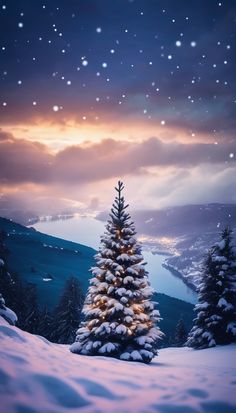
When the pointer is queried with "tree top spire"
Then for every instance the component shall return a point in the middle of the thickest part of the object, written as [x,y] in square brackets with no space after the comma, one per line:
[119,187]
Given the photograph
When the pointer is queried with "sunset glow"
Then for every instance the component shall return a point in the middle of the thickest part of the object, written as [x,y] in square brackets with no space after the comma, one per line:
[146,98]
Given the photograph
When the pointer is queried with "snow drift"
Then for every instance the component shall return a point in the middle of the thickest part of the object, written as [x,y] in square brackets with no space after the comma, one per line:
[40,377]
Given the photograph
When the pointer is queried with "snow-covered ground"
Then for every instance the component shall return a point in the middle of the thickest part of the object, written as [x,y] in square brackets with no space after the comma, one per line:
[40,377]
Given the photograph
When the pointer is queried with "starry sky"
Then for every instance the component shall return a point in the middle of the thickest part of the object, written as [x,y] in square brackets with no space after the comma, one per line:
[96,90]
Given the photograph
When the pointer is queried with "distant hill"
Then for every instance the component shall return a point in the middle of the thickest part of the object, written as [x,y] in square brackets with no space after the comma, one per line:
[45,260]
[171,310]
[185,220]
[48,261]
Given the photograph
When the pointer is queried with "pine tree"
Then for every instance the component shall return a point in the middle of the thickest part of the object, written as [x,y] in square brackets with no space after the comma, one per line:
[180,336]
[67,314]
[29,313]
[21,297]
[120,320]
[45,323]
[225,260]
[216,309]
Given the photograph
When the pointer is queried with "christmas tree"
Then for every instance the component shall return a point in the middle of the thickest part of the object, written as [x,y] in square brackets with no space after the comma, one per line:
[119,318]
[216,309]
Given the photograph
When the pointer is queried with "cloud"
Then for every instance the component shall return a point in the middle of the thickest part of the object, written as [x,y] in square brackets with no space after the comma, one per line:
[22,161]
[201,184]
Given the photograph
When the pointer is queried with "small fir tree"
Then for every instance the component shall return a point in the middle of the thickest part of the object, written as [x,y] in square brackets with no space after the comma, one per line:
[120,320]
[216,309]
[45,323]
[180,336]
[29,314]
[67,314]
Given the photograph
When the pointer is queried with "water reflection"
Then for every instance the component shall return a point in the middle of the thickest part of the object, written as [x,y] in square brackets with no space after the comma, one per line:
[163,281]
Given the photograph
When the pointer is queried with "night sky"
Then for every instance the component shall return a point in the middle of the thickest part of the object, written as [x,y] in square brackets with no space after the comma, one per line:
[95,90]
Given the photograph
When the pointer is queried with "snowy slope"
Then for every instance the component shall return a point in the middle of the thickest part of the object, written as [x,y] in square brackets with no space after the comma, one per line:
[39,377]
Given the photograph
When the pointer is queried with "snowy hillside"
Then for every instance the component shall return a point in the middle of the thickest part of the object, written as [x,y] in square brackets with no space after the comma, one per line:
[39,377]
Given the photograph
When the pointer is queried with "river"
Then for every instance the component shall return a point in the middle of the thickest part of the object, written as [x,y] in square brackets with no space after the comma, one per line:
[87,231]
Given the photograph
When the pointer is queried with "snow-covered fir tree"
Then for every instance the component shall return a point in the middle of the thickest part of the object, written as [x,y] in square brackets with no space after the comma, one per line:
[119,317]
[216,309]
[225,260]
[5,312]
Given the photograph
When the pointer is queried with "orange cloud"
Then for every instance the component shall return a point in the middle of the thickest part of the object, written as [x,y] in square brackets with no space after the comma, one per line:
[23,161]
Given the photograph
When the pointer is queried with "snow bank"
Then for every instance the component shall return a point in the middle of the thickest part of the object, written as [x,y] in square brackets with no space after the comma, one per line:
[40,377]
[6,312]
